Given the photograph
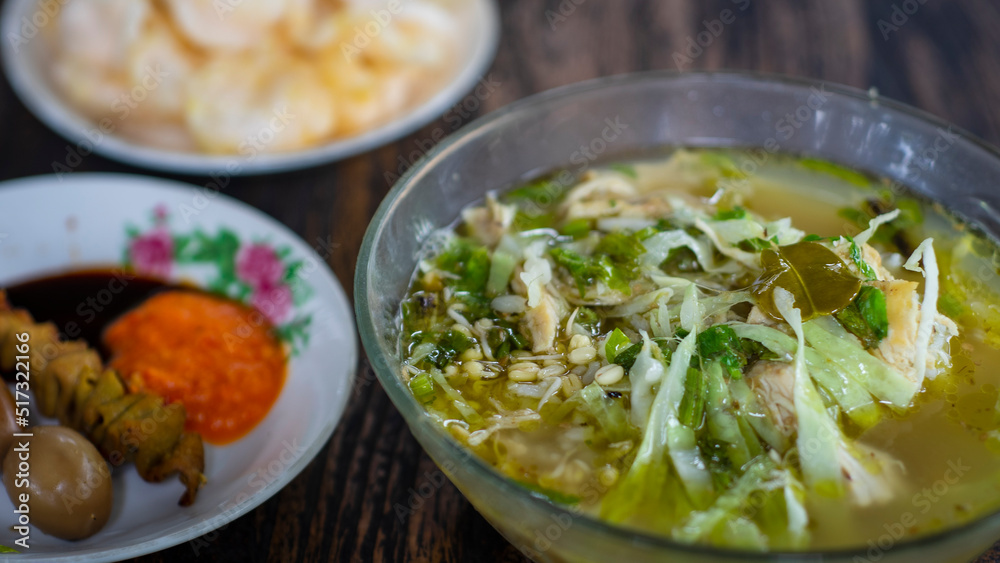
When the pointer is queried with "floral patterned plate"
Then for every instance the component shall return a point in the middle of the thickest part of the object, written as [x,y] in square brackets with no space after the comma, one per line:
[179,232]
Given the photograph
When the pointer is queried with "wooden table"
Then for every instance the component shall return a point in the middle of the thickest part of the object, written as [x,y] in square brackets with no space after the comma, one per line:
[944,58]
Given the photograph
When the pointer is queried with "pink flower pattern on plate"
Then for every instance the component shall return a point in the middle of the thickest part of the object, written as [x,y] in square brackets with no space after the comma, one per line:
[273,301]
[152,253]
[259,266]
[254,273]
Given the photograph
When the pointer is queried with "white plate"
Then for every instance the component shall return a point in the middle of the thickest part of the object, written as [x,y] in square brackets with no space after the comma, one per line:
[48,226]
[24,65]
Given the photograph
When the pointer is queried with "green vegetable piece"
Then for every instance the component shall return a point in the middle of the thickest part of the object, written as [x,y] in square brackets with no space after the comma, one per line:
[583,270]
[477,304]
[609,413]
[720,342]
[589,320]
[524,221]
[542,193]
[470,262]
[871,303]
[627,357]
[755,244]
[626,169]
[459,403]
[422,388]
[722,420]
[830,339]
[550,494]
[950,305]
[617,342]
[7,549]
[856,216]
[577,228]
[866,317]
[700,524]
[504,338]
[692,410]
[616,263]
[501,268]
[816,277]
[723,163]
[614,276]
[728,214]
[681,260]
[835,170]
[851,319]
[449,345]
[866,270]
[643,234]
[664,345]
[477,271]
[623,249]
[846,386]
[587,317]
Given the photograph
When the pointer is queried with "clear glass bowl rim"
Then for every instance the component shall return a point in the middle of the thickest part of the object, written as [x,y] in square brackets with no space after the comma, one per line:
[414,414]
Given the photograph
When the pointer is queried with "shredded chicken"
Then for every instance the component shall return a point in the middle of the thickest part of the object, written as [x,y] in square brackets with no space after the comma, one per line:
[899,347]
[872,476]
[611,196]
[489,222]
[774,383]
[757,316]
[542,323]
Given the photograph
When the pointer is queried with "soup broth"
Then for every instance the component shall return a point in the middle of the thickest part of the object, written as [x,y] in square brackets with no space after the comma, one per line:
[773,361]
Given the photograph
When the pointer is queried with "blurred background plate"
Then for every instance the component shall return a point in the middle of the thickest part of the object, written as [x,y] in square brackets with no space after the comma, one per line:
[24,61]
[96,220]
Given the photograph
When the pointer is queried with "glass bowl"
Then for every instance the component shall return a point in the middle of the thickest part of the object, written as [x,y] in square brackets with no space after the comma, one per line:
[625,117]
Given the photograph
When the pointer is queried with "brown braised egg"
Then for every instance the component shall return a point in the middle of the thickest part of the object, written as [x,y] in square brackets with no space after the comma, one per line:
[67,482]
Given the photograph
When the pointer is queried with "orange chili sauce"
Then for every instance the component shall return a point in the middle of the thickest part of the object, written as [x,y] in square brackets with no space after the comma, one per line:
[218,358]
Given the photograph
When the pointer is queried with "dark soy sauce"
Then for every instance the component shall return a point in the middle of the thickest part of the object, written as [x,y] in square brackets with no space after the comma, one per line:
[83,303]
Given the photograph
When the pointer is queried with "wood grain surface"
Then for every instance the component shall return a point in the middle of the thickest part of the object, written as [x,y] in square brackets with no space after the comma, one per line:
[945,58]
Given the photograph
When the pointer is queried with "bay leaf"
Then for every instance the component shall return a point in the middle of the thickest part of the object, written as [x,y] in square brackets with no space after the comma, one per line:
[817,278]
